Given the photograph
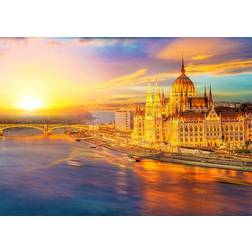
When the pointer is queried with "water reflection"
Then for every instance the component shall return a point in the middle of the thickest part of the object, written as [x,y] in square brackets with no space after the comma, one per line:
[37,179]
[193,190]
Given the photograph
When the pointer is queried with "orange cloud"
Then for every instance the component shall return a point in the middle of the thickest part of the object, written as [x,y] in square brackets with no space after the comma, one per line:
[120,81]
[197,48]
[229,67]
[137,78]
[202,56]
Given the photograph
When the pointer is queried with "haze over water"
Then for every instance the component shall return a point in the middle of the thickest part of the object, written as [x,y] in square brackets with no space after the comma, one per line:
[36,178]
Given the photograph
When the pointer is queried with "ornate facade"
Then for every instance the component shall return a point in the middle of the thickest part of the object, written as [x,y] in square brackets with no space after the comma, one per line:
[188,120]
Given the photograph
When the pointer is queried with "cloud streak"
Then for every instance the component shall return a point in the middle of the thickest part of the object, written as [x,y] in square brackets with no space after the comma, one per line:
[100,42]
[199,48]
[120,81]
[224,68]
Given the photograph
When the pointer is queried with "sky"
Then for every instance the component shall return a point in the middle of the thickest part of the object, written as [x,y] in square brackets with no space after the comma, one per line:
[65,75]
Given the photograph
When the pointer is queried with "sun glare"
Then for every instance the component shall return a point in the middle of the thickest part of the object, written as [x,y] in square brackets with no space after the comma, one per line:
[31,103]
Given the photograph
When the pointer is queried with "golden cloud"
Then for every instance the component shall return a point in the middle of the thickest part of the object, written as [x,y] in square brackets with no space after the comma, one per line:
[135,79]
[120,81]
[202,56]
[197,48]
[229,67]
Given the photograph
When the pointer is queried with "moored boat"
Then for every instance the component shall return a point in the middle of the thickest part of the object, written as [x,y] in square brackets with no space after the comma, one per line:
[74,162]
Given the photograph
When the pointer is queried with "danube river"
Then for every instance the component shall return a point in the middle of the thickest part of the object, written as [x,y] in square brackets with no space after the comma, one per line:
[57,176]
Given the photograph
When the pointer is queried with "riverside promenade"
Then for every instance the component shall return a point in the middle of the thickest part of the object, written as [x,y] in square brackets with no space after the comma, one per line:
[210,160]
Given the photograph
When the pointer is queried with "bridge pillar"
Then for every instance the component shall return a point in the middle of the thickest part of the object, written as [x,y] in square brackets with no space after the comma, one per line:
[47,131]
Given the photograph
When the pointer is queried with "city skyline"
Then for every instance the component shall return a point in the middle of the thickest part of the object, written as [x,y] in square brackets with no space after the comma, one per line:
[47,75]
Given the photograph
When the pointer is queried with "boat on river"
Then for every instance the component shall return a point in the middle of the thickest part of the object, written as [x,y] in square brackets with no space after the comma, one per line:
[74,162]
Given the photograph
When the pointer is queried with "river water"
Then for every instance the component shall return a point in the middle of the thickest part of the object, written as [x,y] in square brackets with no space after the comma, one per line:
[57,176]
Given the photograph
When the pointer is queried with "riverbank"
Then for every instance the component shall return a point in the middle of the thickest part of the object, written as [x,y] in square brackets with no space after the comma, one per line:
[209,161]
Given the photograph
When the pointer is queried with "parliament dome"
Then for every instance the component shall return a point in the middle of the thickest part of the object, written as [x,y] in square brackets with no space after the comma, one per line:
[183,85]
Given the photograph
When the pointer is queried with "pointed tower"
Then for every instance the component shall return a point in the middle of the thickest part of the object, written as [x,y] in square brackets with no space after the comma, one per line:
[149,122]
[157,102]
[163,97]
[205,94]
[157,95]
[210,97]
[205,97]
[149,102]
[149,99]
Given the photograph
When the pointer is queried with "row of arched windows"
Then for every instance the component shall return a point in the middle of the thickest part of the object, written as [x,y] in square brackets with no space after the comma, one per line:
[212,128]
[191,128]
[232,128]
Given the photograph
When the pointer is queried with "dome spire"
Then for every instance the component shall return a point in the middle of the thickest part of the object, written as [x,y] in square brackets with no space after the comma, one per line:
[182,66]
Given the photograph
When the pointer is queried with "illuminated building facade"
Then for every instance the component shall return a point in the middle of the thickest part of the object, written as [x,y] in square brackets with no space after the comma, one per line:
[188,120]
[122,120]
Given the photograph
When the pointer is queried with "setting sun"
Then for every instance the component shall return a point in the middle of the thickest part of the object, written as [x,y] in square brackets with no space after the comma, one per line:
[31,103]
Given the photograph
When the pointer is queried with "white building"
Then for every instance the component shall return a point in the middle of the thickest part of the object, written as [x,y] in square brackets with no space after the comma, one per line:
[122,120]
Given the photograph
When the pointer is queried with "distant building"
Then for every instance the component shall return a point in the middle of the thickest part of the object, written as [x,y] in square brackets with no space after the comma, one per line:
[122,120]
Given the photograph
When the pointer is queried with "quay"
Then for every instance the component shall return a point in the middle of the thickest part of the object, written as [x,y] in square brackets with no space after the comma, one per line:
[138,153]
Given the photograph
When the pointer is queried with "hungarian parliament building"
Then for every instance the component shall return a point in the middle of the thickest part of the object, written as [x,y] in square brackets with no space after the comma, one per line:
[188,120]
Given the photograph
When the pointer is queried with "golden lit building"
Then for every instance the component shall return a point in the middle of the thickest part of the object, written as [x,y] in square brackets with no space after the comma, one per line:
[233,129]
[188,120]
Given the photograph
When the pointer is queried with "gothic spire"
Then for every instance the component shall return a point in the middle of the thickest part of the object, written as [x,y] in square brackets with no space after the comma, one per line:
[205,95]
[163,97]
[157,93]
[149,94]
[210,96]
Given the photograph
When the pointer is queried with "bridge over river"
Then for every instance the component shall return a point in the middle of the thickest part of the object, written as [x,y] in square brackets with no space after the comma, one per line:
[46,129]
